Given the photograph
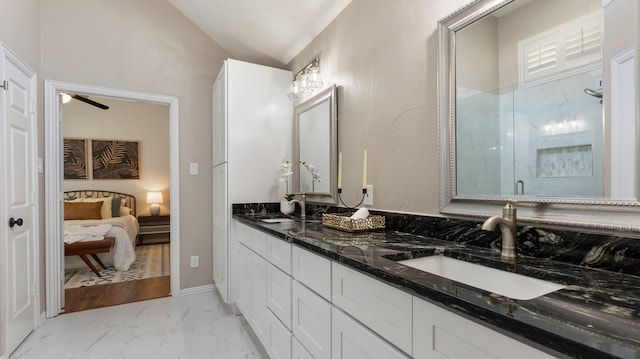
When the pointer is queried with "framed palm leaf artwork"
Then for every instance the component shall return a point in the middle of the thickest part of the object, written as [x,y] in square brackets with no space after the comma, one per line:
[75,158]
[113,159]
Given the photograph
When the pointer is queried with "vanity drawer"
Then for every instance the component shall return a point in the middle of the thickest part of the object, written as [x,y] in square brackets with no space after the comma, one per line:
[313,271]
[279,253]
[382,308]
[279,294]
[252,238]
[352,340]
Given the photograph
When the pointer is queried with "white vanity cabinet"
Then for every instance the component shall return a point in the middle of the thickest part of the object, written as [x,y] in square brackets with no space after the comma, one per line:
[351,340]
[264,290]
[438,333]
[302,305]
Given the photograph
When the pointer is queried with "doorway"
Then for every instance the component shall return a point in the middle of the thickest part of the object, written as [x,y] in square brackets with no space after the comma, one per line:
[115,149]
[54,181]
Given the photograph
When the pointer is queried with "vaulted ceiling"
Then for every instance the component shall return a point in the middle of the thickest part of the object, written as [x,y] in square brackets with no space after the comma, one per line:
[270,32]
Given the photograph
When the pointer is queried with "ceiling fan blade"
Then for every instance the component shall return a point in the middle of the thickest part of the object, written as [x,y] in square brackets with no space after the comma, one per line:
[89,101]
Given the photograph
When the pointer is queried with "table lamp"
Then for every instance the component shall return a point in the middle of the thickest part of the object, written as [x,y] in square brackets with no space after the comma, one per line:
[154,199]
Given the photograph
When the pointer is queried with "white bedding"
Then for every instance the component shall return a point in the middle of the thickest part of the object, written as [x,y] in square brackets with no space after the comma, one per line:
[124,229]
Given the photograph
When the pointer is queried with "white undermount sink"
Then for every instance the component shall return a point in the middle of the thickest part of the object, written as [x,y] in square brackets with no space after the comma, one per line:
[497,281]
[277,220]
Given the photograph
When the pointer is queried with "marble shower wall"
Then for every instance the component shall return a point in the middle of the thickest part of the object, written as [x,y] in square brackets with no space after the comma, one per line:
[548,135]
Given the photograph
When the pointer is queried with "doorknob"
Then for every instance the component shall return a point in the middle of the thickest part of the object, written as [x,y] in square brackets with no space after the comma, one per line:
[13,222]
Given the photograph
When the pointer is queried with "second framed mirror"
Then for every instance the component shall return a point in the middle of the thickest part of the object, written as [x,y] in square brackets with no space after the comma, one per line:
[315,147]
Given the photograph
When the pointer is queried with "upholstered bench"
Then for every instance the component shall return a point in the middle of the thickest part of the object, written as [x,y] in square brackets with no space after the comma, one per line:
[90,247]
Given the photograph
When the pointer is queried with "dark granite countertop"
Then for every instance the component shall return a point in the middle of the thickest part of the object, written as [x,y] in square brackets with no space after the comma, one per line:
[597,314]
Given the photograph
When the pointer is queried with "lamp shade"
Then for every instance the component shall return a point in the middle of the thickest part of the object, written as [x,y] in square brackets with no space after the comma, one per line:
[154,197]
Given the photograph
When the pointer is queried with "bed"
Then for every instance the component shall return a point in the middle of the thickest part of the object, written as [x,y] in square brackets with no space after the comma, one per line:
[95,214]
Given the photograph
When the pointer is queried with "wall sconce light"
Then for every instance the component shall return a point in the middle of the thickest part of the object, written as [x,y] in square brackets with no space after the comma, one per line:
[154,198]
[307,81]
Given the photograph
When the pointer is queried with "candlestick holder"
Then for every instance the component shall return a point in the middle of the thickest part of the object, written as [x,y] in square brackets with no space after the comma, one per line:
[364,194]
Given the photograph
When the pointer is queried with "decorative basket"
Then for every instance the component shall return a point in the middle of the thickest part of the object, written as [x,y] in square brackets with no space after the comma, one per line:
[341,221]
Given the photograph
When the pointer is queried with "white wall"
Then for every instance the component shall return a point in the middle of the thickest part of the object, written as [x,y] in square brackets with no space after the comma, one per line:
[145,123]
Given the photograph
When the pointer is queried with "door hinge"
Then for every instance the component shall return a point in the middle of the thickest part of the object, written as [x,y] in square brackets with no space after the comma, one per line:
[33,106]
[34,289]
[5,85]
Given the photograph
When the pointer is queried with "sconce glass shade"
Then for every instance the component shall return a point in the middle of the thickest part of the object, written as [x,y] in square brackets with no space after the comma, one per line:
[307,81]
[154,198]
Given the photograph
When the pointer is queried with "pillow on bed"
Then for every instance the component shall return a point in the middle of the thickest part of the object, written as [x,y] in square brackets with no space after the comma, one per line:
[125,211]
[82,210]
[116,203]
[106,205]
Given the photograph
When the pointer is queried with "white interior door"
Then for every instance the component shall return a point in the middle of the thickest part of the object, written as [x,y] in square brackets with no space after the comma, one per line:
[18,191]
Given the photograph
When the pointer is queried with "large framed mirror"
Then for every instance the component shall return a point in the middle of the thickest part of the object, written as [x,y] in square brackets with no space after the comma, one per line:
[537,104]
[315,147]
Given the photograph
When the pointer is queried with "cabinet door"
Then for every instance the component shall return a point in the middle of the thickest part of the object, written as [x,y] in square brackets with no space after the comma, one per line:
[438,333]
[244,281]
[220,118]
[298,351]
[311,321]
[252,291]
[351,340]
[260,318]
[279,294]
[220,232]
[313,271]
[279,344]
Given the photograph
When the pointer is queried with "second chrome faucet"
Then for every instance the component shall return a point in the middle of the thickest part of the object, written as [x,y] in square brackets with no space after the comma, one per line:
[508,228]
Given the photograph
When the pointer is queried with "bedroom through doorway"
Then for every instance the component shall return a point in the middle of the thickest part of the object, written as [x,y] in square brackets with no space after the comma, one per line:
[117,218]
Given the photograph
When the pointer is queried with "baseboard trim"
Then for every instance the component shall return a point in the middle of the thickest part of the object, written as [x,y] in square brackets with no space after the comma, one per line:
[197,290]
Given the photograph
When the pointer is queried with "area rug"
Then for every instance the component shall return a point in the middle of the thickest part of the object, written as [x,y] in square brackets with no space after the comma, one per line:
[151,261]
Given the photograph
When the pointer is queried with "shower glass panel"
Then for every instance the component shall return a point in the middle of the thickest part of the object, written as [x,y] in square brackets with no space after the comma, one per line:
[538,141]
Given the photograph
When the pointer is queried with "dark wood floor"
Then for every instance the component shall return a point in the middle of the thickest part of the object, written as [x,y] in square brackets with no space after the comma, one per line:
[105,295]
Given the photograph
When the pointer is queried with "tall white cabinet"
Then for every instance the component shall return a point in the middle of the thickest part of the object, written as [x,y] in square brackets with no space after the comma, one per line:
[252,134]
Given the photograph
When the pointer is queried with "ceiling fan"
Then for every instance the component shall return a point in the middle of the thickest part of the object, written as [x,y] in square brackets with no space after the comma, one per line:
[66,97]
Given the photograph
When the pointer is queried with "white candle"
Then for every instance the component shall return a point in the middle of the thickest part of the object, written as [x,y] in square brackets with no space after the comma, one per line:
[364,174]
[340,170]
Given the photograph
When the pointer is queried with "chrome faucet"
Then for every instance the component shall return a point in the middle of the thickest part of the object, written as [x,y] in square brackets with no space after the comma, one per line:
[303,204]
[508,228]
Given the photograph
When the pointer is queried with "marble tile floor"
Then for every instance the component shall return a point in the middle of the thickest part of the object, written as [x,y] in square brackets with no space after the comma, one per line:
[187,327]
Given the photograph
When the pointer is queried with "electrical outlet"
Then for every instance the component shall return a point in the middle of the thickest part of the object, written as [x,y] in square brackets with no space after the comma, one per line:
[193,168]
[368,199]
[195,261]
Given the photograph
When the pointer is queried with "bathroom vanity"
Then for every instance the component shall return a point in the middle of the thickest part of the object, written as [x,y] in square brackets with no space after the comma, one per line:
[311,291]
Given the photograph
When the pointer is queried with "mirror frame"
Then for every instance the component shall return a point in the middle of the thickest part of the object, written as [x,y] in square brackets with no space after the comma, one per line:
[597,215]
[329,94]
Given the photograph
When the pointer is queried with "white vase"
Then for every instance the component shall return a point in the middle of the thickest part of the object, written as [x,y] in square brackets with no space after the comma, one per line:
[286,207]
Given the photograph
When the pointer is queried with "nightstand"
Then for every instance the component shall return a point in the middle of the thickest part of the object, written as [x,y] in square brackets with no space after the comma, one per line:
[154,226]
